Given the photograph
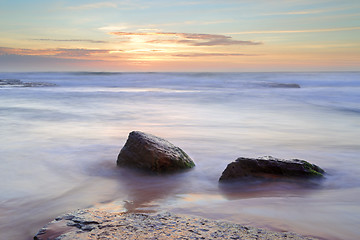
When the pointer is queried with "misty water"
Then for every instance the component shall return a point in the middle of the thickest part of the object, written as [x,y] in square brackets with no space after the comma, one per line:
[59,145]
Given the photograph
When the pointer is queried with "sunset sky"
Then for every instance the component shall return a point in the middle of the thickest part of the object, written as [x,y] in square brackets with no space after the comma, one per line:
[192,35]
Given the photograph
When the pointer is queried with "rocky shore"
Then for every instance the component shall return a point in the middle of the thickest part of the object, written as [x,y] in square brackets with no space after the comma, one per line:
[152,154]
[95,224]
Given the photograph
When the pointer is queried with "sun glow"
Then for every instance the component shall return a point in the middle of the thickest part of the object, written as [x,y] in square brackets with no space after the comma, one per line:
[305,38]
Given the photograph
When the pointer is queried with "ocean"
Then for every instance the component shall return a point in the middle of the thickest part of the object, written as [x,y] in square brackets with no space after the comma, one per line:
[61,133]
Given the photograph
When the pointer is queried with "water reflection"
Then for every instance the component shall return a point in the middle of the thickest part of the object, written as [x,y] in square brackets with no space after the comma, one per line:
[145,190]
[269,188]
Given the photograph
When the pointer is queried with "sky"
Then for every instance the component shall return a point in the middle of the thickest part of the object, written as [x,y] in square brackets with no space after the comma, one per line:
[178,36]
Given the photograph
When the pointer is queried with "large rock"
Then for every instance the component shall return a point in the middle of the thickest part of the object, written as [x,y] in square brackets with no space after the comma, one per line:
[266,167]
[148,152]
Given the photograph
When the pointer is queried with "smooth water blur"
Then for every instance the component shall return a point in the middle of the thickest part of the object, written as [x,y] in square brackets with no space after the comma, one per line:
[59,147]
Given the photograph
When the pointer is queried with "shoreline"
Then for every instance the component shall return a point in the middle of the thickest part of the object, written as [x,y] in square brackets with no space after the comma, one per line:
[100,224]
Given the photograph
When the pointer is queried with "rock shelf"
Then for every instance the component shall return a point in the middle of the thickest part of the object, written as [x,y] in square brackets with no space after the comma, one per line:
[93,224]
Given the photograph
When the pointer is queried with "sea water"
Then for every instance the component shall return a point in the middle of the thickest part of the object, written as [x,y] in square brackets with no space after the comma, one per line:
[59,145]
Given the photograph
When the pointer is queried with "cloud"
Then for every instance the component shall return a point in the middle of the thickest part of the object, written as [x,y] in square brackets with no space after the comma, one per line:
[69,40]
[212,54]
[193,39]
[305,12]
[118,27]
[79,52]
[308,11]
[56,52]
[46,63]
[94,6]
[203,22]
[298,31]
[149,30]
[157,27]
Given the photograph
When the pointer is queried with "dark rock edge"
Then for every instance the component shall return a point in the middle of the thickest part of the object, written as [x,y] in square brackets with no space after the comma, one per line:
[264,167]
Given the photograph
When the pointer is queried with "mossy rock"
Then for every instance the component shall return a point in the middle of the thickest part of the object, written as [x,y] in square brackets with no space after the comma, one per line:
[270,167]
[148,152]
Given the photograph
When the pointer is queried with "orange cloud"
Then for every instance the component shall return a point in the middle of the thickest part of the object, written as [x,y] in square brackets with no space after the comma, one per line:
[212,54]
[69,40]
[193,39]
[60,52]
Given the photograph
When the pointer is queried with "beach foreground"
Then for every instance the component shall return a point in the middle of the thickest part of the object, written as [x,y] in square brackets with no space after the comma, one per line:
[95,224]
[60,142]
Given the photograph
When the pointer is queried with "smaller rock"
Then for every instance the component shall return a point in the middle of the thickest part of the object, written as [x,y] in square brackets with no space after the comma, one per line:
[10,82]
[268,166]
[148,152]
[19,83]
[284,85]
[38,84]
